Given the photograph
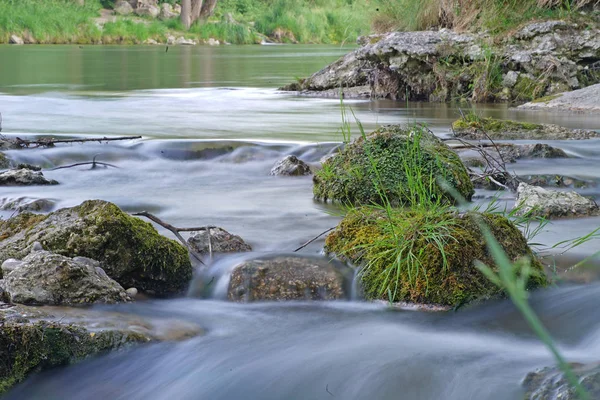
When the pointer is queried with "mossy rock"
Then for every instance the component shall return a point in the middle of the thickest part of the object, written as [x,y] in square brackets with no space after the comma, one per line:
[39,345]
[476,128]
[366,238]
[4,161]
[131,250]
[349,176]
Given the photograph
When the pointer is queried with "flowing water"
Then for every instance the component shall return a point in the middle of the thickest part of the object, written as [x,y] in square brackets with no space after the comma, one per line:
[213,124]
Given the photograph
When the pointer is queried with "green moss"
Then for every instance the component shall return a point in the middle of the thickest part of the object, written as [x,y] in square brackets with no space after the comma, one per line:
[30,347]
[349,176]
[546,99]
[493,125]
[528,89]
[448,276]
[21,222]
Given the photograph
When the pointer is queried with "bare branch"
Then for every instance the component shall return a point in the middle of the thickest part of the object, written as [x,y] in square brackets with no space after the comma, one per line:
[175,231]
[50,142]
[313,239]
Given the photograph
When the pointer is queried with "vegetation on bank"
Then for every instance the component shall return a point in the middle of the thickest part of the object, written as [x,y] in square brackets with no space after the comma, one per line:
[302,21]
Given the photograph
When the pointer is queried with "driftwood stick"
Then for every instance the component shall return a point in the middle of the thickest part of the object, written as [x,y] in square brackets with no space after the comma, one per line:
[50,142]
[313,239]
[93,163]
[173,229]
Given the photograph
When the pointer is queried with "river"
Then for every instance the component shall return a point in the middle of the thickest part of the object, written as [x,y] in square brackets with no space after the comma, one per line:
[213,124]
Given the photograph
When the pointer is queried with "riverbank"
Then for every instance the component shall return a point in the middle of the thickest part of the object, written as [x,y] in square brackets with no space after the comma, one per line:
[279,21]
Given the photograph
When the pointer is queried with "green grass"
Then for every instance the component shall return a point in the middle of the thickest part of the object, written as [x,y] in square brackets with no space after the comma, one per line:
[494,15]
[49,21]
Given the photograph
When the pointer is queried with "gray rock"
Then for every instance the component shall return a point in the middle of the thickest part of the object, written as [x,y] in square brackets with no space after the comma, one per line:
[221,241]
[132,292]
[171,40]
[537,201]
[582,100]
[183,41]
[26,204]
[213,42]
[9,265]
[37,246]
[289,278]
[4,161]
[151,42]
[148,10]
[123,7]
[550,384]
[290,166]
[49,278]
[167,12]
[14,39]
[538,28]
[130,250]
[24,177]
[510,79]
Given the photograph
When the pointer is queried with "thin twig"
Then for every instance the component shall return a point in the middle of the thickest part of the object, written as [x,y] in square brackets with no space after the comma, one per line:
[93,163]
[327,390]
[313,239]
[173,229]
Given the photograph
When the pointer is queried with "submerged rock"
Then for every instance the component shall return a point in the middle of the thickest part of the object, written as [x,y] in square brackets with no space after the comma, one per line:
[47,278]
[33,339]
[550,383]
[288,278]
[559,181]
[217,240]
[131,250]
[26,204]
[475,128]
[24,177]
[440,250]
[582,100]
[534,200]
[291,166]
[399,153]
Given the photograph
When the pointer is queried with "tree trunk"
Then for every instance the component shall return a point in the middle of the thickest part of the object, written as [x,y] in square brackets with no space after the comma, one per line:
[208,8]
[186,11]
[196,9]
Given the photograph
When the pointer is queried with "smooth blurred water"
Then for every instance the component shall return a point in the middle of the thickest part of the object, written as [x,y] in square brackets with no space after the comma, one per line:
[213,124]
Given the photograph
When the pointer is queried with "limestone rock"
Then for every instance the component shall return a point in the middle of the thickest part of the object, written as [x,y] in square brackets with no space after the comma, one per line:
[147,10]
[582,100]
[289,278]
[131,251]
[123,7]
[220,241]
[291,166]
[183,41]
[14,39]
[47,278]
[24,177]
[167,12]
[213,42]
[552,203]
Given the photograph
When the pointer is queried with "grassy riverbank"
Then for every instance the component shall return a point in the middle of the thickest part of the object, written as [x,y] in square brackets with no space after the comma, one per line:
[301,21]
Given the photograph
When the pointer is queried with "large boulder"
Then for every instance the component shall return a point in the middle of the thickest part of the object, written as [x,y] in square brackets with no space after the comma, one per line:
[426,256]
[550,383]
[538,60]
[402,156]
[537,201]
[24,177]
[290,166]
[473,127]
[289,278]
[14,39]
[47,278]
[167,11]
[131,251]
[26,204]
[34,339]
[217,240]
